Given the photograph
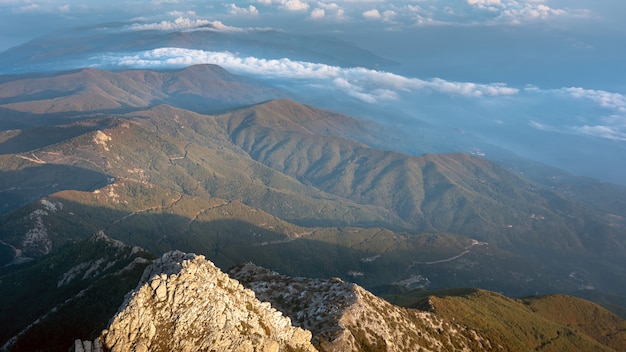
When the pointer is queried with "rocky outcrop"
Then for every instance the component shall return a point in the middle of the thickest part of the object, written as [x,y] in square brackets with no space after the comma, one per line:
[345,317]
[88,346]
[184,303]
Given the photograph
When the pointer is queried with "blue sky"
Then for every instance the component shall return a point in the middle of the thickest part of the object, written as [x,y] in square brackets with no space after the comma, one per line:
[516,73]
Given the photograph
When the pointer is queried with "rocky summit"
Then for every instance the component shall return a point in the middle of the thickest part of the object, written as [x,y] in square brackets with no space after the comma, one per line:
[184,303]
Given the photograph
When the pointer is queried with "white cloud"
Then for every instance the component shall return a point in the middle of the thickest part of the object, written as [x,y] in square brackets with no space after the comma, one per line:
[516,11]
[612,132]
[612,126]
[543,127]
[182,13]
[29,8]
[608,132]
[331,10]
[354,91]
[609,100]
[472,89]
[294,5]
[483,2]
[318,13]
[372,14]
[183,23]
[438,12]
[365,84]
[159,2]
[405,12]
[242,11]
[289,5]
[389,15]
[177,24]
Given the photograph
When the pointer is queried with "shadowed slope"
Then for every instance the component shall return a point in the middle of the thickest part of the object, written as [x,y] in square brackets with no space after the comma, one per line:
[48,302]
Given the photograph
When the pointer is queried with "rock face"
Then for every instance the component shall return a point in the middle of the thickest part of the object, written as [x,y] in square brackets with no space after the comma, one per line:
[184,303]
[346,317]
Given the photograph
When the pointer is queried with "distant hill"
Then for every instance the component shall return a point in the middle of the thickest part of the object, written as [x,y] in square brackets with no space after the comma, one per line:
[59,96]
[452,192]
[50,52]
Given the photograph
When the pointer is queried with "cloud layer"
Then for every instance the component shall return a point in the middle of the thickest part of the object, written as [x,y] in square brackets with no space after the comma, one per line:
[368,85]
[612,124]
[399,12]
[375,87]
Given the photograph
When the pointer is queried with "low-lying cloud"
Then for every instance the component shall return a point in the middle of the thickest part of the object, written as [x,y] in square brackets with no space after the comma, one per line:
[607,121]
[184,23]
[368,85]
[609,100]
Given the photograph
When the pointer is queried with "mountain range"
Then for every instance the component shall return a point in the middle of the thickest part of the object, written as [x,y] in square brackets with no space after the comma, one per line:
[203,161]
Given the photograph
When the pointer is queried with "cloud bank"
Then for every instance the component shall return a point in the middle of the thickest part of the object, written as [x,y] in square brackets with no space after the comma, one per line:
[434,12]
[184,23]
[609,100]
[368,85]
[399,12]
[373,86]
[608,120]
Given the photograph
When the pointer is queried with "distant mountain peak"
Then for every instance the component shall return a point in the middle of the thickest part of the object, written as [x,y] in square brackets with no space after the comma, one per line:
[204,88]
[206,68]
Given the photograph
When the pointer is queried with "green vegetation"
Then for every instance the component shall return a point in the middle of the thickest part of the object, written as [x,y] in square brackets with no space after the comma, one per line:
[584,316]
[551,323]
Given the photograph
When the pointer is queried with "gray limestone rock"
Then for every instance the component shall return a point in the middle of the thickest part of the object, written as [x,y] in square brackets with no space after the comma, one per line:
[184,303]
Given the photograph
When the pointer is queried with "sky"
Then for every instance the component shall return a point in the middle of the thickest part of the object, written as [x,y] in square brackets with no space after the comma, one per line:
[545,79]
[24,19]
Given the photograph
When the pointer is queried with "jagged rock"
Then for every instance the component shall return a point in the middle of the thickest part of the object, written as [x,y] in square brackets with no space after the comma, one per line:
[345,317]
[184,303]
[88,346]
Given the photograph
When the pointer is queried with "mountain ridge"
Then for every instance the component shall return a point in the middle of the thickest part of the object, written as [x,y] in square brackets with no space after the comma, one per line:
[90,90]
[341,316]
